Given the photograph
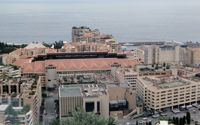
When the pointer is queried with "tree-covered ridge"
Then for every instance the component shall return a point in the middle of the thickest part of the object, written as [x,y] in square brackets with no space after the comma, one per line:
[7,48]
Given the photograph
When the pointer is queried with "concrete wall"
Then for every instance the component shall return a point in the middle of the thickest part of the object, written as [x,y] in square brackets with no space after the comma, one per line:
[131,98]
[117,93]
[196,56]
[121,93]
[51,76]
[104,104]
[166,56]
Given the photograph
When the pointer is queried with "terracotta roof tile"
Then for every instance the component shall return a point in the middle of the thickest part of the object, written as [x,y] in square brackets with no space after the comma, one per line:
[76,64]
[21,62]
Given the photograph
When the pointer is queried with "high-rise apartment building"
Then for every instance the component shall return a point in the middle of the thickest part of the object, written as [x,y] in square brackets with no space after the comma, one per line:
[85,34]
[163,92]
[89,97]
[126,75]
[103,99]
[164,54]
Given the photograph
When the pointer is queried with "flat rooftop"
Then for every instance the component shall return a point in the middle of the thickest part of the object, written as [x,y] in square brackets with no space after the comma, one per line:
[106,79]
[127,71]
[194,78]
[153,68]
[163,82]
[86,90]
[92,90]
[172,84]
[69,91]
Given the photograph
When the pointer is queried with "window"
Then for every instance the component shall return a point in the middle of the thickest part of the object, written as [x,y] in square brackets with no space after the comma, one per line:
[89,106]
[98,106]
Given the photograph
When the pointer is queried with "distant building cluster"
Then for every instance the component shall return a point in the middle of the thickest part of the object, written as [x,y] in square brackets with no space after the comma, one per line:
[19,92]
[163,92]
[175,54]
[91,47]
[96,74]
[85,34]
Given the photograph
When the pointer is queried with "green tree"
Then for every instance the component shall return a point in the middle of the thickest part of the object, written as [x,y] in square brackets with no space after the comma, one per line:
[26,108]
[84,118]
[184,120]
[157,66]
[47,45]
[164,64]
[12,114]
[174,120]
[181,121]
[137,123]
[58,45]
[168,67]
[10,111]
[56,122]
[188,118]
[111,121]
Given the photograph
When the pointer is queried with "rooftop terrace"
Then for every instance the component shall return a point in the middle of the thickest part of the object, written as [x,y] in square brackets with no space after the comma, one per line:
[69,91]
[153,68]
[164,82]
[172,84]
[86,90]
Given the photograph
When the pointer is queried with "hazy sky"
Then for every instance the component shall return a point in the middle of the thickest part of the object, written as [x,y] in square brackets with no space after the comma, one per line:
[127,20]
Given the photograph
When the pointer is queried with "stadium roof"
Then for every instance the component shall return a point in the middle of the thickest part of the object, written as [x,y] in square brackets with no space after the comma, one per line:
[76,64]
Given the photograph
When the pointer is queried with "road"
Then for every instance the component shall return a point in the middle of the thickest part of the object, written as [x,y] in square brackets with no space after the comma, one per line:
[50,107]
[195,116]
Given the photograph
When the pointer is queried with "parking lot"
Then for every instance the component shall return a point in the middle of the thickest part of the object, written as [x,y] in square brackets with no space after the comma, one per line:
[194,112]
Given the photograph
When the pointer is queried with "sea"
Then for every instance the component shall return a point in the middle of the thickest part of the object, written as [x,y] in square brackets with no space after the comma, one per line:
[24,21]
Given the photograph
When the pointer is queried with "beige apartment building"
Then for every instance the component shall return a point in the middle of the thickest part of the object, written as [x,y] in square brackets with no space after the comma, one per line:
[9,87]
[20,91]
[80,34]
[32,95]
[125,75]
[85,34]
[173,54]
[70,99]
[103,99]
[136,54]
[194,56]
[163,92]
[89,97]
[84,46]
[122,100]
